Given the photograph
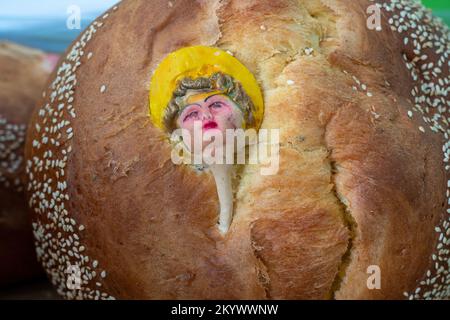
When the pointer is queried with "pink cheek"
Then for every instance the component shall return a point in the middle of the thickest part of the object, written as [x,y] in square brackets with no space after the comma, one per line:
[225,111]
[187,124]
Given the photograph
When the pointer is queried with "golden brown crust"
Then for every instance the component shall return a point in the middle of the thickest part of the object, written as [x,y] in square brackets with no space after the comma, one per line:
[23,73]
[359,183]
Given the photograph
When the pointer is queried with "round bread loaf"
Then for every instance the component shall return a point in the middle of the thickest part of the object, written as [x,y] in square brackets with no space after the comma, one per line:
[23,72]
[357,210]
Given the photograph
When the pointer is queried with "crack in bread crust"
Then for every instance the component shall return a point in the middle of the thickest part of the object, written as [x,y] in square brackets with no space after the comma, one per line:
[346,216]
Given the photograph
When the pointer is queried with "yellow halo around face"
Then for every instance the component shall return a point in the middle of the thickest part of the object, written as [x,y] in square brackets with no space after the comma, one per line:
[194,62]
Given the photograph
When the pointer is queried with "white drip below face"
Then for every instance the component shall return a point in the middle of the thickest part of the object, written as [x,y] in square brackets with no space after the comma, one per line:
[222,175]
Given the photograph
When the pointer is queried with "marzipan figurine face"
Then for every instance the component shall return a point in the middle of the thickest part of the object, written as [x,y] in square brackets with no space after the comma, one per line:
[191,71]
[210,111]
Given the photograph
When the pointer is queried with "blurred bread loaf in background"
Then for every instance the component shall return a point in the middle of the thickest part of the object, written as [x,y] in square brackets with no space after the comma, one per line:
[23,74]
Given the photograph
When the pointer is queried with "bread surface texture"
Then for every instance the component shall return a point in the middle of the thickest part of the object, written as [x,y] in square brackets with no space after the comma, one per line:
[362,179]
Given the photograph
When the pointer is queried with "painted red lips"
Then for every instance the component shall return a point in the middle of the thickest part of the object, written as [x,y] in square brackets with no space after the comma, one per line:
[210,125]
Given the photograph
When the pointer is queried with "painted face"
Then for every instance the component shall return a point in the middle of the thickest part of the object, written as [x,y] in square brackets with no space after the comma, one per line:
[212,111]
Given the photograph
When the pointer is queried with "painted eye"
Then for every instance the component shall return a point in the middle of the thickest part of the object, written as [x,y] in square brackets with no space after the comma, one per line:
[216,105]
[191,115]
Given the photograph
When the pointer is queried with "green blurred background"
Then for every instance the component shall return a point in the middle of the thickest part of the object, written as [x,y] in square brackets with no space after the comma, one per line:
[441,8]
